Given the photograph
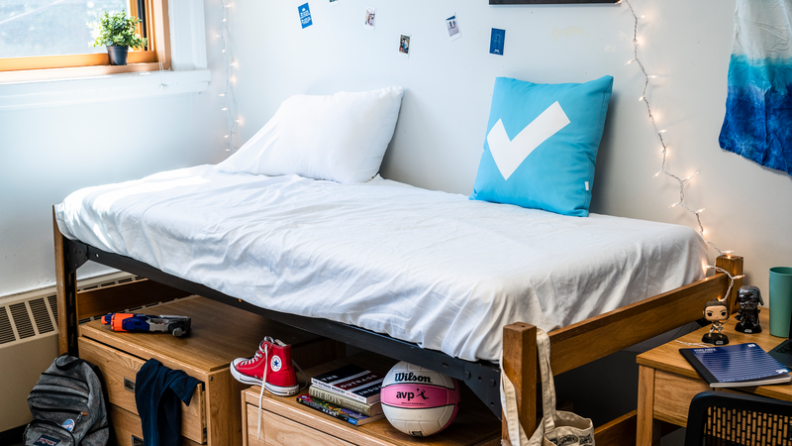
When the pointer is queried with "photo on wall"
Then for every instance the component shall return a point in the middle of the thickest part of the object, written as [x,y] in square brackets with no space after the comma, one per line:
[497,41]
[370,17]
[305,15]
[452,26]
[404,45]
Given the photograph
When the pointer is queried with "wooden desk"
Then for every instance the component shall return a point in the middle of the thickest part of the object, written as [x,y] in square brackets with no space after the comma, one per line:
[667,382]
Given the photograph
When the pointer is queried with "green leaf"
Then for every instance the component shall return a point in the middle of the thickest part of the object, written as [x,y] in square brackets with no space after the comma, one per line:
[117,29]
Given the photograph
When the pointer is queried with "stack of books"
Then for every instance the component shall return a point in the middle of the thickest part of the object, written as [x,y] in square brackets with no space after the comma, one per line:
[350,393]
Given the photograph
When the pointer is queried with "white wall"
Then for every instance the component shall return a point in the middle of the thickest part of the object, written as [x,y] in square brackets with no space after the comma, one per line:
[440,133]
[47,153]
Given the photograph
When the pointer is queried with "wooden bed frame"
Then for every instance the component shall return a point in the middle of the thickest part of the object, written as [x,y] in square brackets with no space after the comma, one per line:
[571,347]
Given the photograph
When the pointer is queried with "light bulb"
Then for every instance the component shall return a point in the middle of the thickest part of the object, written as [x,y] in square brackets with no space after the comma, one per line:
[662,131]
[226,136]
[652,76]
[700,211]
[674,205]
[224,20]
[224,109]
[222,94]
[630,61]
[641,98]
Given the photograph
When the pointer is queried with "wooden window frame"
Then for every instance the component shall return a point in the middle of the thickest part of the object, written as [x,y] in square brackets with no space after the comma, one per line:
[98,63]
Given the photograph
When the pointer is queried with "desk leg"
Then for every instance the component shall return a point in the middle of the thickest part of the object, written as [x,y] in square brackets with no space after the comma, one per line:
[647,432]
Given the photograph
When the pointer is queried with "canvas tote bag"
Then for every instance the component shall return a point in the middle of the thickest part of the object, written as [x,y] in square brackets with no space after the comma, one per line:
[557,427]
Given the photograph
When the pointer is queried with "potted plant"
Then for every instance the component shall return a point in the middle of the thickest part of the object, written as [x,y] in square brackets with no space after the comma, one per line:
[117,32]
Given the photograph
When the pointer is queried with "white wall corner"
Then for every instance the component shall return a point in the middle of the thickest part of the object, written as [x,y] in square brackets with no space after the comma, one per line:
[187,34]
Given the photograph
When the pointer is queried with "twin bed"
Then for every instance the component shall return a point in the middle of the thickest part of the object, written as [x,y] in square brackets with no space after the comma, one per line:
[423,276]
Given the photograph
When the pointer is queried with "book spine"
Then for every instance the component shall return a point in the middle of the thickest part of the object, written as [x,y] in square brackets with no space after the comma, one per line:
[338,391]
[340,400]
[332,413]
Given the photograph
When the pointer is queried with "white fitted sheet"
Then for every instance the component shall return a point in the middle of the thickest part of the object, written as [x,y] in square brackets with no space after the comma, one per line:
[428,267]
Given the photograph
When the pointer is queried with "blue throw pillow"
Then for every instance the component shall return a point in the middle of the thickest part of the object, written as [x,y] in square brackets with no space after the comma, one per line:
[541,144]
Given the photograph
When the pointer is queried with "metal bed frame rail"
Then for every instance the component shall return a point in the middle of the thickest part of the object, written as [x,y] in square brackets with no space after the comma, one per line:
[482,377]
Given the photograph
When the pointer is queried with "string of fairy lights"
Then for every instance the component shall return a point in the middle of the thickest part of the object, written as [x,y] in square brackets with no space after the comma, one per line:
[229,105]
[682,182]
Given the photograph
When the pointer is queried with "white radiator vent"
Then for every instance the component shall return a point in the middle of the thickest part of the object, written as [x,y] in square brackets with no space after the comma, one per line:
[44,322]
[53,301]
[34,314]
[6,332]
[21,317]
[24,320]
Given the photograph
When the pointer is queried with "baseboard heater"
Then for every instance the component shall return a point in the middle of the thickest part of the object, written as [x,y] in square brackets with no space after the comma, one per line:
[29,343]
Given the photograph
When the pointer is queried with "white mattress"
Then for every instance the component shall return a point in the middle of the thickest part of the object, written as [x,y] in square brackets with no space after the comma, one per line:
[428,267]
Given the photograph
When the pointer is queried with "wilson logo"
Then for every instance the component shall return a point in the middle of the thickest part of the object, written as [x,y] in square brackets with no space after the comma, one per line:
[412,377]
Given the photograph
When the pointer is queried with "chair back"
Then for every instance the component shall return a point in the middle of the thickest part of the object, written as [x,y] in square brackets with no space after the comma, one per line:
[729,419]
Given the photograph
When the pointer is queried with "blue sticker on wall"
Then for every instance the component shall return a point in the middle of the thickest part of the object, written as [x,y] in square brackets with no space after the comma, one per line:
[305,16]
[497,40]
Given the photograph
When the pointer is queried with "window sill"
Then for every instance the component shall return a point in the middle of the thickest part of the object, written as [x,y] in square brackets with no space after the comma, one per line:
[112,87]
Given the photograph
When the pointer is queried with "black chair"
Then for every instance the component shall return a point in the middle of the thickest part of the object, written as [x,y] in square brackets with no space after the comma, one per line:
[728,419]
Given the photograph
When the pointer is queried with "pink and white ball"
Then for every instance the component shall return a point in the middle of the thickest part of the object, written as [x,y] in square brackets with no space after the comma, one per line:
[417,401]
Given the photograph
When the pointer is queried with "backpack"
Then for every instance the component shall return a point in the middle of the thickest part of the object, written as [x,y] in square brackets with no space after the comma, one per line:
[69,406]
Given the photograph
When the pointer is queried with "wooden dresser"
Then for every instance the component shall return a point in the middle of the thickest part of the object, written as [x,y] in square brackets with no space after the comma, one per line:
[219,334]
[285,422]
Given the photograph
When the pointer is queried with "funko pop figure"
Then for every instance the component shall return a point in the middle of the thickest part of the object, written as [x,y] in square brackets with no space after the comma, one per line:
[718,313]
[749,298]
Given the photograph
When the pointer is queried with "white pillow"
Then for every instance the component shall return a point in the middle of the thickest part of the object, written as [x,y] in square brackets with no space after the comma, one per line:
[342,137]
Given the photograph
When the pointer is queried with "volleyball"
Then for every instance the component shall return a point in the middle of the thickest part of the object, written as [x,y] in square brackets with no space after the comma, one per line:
[417,401]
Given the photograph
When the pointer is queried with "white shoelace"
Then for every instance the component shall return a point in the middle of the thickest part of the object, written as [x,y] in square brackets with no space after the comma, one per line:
[265,352]
[263,385]
[258,354]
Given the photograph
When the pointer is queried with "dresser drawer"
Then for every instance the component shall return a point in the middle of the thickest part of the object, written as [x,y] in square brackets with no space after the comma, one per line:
[279,431]
[120,369]
[128,430]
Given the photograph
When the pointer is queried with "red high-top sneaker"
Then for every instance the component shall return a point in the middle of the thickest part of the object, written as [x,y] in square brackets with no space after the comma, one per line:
[271,367]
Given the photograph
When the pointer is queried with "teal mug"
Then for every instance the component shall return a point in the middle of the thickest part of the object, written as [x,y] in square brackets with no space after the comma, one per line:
[780,300]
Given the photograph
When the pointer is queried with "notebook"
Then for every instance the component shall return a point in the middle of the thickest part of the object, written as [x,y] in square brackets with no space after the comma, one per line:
[741,365]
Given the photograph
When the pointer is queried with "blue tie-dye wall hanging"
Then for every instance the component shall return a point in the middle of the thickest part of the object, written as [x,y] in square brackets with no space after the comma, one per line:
[758,122]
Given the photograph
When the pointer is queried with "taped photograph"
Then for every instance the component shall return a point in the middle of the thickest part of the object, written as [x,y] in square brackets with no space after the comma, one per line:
[453,28]
[404,45]
[370,17]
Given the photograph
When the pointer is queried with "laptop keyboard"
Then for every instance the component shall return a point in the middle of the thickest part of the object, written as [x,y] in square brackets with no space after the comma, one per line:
[786,349]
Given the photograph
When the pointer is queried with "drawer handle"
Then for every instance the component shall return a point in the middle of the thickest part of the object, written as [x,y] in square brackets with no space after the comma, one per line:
[129,385]
[137,441]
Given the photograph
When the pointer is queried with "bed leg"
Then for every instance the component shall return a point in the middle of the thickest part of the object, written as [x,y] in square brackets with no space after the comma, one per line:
[734,265]
[521,366]
[66,264]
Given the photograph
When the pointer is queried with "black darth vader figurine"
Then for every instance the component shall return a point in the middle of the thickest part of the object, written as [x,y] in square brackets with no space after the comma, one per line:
[749,299]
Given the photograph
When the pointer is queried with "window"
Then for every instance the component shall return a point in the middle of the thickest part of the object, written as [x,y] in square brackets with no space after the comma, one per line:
[42,34]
